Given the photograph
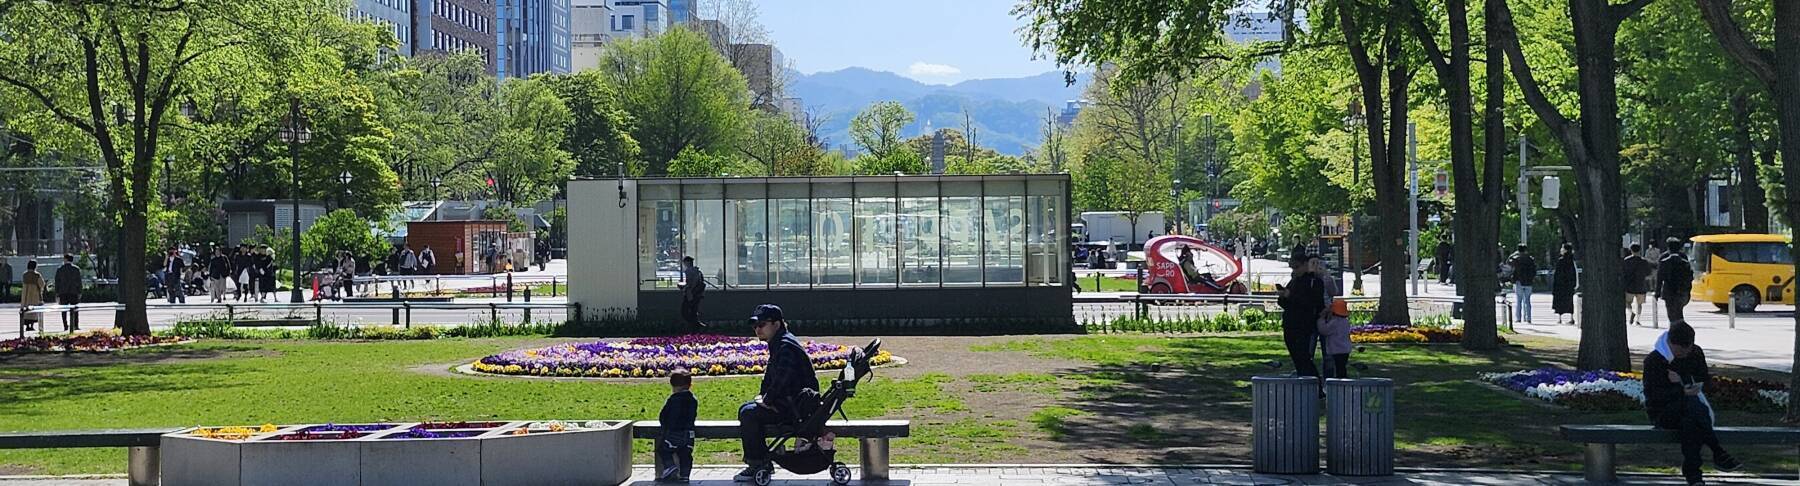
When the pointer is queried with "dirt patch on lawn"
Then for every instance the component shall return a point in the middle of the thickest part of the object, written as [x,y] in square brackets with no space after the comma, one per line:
[148,355]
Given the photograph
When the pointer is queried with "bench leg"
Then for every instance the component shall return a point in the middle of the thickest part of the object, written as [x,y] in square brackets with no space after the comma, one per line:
[1597,464]
[874,454]
[142,466]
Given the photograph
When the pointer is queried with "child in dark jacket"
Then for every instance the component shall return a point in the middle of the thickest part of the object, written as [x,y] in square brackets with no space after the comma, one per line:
[676,449]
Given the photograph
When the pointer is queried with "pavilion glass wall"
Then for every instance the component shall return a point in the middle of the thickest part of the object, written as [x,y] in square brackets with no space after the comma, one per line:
[862,233]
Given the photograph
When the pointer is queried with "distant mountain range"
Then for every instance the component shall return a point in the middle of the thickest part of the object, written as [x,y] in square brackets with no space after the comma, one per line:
[1008,113]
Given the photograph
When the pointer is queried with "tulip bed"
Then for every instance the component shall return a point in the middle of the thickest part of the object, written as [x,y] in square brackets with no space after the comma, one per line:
[700,355]
[89,342]
[1388,333]
[1609,391]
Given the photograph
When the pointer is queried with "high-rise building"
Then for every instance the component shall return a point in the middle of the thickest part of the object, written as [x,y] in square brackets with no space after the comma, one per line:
[393,15]
[589,32]
[531,36]
[453,26]
[684,11]
[639,18]
[760,64]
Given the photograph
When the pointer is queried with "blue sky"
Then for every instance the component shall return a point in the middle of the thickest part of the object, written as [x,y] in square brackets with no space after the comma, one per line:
[933,41]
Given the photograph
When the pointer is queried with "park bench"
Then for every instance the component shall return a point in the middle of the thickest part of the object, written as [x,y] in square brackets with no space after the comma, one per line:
[141,461]
[1597,460]
[873,436]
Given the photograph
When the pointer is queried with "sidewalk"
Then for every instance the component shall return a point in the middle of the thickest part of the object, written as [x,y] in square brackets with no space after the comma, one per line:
[1025,475]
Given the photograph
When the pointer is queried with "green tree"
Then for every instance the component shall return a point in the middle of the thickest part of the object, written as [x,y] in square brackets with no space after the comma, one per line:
[877,128]
[341,230]
[446,115]
[900,160]
[695,163]
[530,164]
[600,135]
[681,93]
[779,146]
[110,74]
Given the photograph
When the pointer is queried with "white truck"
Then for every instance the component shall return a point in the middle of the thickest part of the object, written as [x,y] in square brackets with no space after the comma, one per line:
[1116,227]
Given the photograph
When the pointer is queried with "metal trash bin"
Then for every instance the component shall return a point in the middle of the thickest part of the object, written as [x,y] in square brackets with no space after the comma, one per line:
[1359,422]
[1284,435]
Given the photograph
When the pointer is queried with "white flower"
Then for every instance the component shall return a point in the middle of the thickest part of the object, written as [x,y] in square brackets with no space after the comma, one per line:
[1779,397]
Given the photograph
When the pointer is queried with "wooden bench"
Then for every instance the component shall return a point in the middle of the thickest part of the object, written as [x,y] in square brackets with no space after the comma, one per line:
[1597,460]
[873,436]
[141,461]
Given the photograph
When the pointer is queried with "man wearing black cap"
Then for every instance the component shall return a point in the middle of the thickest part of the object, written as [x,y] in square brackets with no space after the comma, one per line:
[788,384]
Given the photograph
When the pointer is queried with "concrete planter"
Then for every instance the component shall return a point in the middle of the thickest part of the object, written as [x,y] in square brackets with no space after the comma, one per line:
[485,453]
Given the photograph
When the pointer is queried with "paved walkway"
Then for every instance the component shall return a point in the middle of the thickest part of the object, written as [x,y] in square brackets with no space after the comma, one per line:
[1013,475]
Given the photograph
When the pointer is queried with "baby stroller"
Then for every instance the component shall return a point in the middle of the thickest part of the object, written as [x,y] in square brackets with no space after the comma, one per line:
[813,450]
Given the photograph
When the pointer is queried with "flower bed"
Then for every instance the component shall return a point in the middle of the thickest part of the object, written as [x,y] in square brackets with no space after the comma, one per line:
[1389,333]
[87,342]
[1612,391]
[700,355]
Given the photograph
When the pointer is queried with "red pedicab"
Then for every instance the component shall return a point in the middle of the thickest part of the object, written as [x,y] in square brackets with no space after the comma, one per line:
[1213,270]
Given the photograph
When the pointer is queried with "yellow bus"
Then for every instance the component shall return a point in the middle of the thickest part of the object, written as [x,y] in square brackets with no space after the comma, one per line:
[1756,268]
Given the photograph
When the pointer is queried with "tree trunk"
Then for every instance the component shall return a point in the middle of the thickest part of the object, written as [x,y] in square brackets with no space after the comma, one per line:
[1478,207]
[1787,112]
[133,289]
[1387,160]
[1603,339]
[1755,212]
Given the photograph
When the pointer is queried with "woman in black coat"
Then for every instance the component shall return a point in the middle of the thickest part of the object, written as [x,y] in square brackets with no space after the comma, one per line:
[1563,290]
[1302,301]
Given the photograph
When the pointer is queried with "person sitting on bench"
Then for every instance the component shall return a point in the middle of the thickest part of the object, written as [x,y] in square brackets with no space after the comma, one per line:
[1675,375]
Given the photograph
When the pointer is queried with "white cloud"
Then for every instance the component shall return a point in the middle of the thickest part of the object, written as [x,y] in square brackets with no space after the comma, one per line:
[929,70]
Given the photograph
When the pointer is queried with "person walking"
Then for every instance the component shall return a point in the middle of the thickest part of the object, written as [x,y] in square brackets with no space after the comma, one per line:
[1562,284]
[1637,282]
[218,268]
[409,265]
[693,288]
[1524,271]
[31,294]
[68,291]
[241,278]
[427,261]
[1334,335]
[265,273]
[346,272]
[6,276]
[1675,377]
[1444,256]
[1674,279]
[173,285]
[1302,303]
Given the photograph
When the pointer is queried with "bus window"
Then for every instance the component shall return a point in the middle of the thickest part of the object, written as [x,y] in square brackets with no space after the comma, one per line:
[1760,253]
[1701,257]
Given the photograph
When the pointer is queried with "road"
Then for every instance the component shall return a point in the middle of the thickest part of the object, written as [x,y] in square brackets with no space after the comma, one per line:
[1763,339]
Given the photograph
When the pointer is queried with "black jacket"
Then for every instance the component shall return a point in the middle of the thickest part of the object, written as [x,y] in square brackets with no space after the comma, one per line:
[1304,301]
[1661,396]
[677,416]
[1524,268]
[218,266]
[1673,276]
[789,372]
[693,284]
[1637,274]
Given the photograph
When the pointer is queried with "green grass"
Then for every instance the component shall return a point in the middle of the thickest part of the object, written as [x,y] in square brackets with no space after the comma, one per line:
[1446,418]
[285,382]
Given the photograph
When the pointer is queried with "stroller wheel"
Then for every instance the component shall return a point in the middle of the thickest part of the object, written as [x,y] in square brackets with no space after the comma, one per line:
[840,474]
[763,476]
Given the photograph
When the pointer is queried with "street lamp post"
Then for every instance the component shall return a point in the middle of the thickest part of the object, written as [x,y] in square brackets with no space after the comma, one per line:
[344,178]
[1355,121]
[295,132]
[1175,195]
[438,213]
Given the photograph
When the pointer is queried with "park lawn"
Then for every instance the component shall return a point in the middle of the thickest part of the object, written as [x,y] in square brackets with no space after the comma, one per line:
[284,382]
[1013,399]
[1187,400]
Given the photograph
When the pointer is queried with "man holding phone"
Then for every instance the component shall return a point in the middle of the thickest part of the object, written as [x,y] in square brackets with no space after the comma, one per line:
[1302,302]
[1675,377]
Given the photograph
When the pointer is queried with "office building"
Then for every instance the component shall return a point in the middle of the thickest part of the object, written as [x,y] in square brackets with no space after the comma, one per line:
[453,26]
[684,11]
[760,64]
[589,32]
[393,15]
[531,36]
[639,18]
